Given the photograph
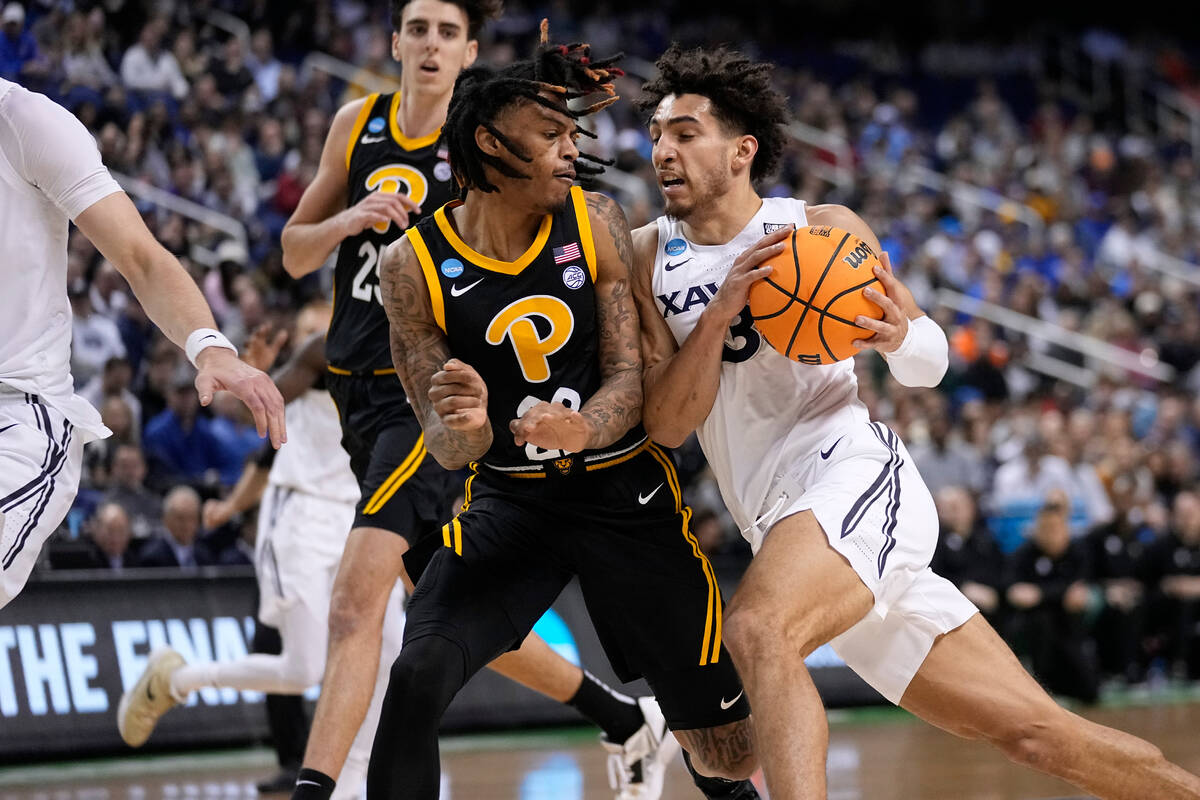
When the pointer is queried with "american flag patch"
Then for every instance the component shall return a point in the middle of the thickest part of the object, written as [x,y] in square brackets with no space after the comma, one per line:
[569,253]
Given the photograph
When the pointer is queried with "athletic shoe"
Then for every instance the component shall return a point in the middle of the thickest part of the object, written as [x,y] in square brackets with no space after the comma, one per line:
[638,766]
[149,699]
[281,782]
[719,788]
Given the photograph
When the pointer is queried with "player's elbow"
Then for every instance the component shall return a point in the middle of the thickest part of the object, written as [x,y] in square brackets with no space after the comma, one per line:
[296,261]
[663,431]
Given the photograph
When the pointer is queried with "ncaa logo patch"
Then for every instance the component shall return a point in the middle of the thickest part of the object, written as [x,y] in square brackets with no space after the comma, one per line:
[441,171]
[452,268]
[675,247]
[376,125]
[573,277]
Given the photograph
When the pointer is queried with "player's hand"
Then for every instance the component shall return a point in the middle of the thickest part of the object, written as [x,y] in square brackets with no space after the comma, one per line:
[220,369]
[262,348]
[215,514]
[898,308]
[459,396]
[552,426]
[734,293]
[378,207]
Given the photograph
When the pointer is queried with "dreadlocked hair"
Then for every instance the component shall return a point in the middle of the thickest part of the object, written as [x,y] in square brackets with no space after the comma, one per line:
[564,72]
[740,91]
[478,12]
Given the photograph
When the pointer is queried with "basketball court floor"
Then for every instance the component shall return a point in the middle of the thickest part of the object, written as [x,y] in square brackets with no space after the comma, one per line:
[875,754]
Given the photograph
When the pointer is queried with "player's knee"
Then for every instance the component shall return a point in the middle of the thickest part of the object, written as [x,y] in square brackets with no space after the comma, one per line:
[759,630]
[353,611]
[425,676]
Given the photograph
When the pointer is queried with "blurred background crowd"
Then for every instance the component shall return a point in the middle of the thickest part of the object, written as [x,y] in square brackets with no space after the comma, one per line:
[1038,193]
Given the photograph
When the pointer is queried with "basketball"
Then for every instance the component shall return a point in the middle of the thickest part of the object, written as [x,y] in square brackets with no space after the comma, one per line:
[806,307]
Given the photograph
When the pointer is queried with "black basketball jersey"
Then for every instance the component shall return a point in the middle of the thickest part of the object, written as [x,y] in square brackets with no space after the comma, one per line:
[527,326]
[379,158]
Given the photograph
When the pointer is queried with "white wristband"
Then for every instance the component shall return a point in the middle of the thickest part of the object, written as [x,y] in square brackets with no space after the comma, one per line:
[203,338]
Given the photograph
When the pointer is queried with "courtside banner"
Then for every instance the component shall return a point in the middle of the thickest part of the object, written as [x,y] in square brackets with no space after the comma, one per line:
[70,643]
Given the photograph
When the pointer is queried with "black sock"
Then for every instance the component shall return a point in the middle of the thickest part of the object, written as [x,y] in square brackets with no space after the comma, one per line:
[720,788]
[312,785]
[617,715]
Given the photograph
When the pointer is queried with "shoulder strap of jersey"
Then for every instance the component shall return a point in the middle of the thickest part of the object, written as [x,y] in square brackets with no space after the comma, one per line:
[364,114]
[579,202]
[425,259]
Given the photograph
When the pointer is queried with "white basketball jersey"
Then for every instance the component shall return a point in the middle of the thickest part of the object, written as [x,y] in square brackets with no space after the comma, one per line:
[50,171]
[770,411]
[313,460]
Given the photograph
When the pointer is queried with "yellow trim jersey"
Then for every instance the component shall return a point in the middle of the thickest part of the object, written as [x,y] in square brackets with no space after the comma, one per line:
[379,158]
[527,326]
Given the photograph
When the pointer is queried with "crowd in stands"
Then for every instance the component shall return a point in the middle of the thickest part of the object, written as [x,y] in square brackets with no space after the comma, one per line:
[1069,502]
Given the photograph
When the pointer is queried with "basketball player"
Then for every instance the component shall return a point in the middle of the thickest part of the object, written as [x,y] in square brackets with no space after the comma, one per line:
[516,338]
[308,501]
[382,167]
[50,172]
[840,522]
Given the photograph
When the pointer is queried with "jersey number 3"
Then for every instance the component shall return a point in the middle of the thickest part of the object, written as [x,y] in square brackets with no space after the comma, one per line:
[742,341]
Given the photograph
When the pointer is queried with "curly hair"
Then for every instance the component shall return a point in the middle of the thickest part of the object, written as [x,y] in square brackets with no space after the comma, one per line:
[478,12]
[481,93]
[742,97]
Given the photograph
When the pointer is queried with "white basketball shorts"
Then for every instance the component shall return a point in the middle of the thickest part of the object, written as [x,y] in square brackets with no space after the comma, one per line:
[40,460]
[300,542]
[870,500]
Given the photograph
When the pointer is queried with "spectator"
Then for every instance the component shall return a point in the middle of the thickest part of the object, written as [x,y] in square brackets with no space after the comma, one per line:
[83,60]
[165,360]
[966,554]
[147,67]
[1118,554]
[1028,478]
[229,70]
[114,381]
[180,546]
[237,438]
[18,50]
[94,337]
[945,460]
[1175,570]
[1049,593]
[180,444]
[126,488]
[111,534]
[263,64]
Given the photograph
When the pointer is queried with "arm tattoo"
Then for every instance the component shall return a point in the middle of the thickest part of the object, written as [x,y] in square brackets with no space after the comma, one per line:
[617,404]
[419,349]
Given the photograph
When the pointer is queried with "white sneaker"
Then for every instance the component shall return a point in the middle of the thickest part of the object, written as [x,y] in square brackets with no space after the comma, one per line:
[638,766]
[149,698]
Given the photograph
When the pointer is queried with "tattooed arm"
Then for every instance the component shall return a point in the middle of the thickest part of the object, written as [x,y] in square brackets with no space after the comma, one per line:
[617,404]
[448,396]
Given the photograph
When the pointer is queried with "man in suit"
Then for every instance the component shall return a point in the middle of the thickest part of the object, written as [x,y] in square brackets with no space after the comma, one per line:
[180,547]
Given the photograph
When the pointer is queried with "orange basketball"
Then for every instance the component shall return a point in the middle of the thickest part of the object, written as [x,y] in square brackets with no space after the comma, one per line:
[806,307]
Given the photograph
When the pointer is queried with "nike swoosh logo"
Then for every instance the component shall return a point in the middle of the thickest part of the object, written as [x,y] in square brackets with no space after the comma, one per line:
[6,427]
[646,498]
[825,454]
[670,266]
[209,336]
[725,706]
[307,783]
[457,292]
[370,140]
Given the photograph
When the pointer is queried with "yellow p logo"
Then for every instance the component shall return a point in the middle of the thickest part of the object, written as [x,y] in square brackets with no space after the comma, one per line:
[515,322]
[398,179]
